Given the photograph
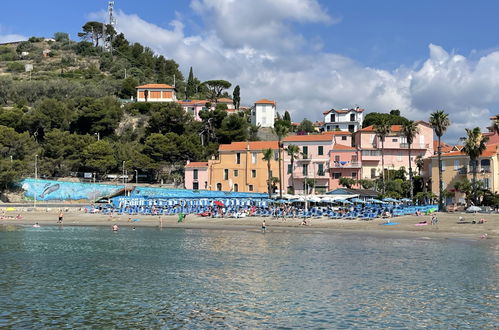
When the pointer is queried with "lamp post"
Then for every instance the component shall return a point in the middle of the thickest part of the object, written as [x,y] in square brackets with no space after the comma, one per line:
[98,136]
[36,177]
[136,177]
[123,176]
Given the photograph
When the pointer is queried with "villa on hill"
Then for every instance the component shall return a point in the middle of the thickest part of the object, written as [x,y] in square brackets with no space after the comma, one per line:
[156,93]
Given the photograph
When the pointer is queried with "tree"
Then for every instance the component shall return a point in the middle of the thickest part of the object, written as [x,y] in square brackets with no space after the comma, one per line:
[293,152]
[347,182]
[393,118]
[168,117]
[233,128]
[306,126]
[191,85]
[474,146]
[99,157]
[48,114]
[419,163]
[128,86]
[281,131]
[382,129]
[366,184]
[216,87]
[61,36]
[267,156]
[287,117]
[95,31]
[236,97]
[410,130]
[439,121]
[100,115]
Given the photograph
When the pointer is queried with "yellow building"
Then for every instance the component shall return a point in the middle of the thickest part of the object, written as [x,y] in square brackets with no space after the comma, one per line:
[456,167]
[240,167]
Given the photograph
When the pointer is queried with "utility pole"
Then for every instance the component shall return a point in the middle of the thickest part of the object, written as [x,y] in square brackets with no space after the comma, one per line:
[136,177]
[36,177]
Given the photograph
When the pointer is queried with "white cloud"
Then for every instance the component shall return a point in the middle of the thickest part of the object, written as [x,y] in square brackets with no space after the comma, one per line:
[12,37]
[252,44]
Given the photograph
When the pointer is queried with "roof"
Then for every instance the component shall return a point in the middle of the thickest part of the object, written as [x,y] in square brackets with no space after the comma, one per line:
[445,147]
[251,145]
[343,147]
[394,128]
[343,110]
[490,150]
[193,102]
[224,100]
[265,101]
[165,86]
[360,192]
[197,164]
[337,133]
[305,138]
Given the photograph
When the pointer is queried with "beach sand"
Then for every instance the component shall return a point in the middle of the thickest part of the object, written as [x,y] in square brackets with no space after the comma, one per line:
[447,226]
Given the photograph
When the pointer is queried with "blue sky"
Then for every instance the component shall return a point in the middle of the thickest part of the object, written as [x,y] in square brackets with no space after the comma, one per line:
[311,55]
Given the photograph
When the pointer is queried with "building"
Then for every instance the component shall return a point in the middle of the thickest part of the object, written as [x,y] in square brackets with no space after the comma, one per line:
[396,149]
[263,114]
[197,175]
[456,167]
[156,93]
[239,167]
[349,120]
[194,107]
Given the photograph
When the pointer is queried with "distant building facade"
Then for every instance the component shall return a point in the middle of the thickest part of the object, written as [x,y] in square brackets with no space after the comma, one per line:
[349,120]
[156,93]
[197,175]
[263,113]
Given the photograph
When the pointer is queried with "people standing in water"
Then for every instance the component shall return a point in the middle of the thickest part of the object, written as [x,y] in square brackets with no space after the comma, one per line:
[61,217]
[115,227]
[264,226]
[160,222]
[36,225]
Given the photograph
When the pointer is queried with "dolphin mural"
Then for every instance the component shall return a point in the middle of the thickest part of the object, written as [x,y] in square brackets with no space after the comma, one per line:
[50,189]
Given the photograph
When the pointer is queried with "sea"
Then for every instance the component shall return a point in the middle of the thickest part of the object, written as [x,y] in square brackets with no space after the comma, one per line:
[92,277]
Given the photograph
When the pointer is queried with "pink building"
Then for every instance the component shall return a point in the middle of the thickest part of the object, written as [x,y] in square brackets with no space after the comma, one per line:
[196,175]
[344,162]
[395,148]
[194,107]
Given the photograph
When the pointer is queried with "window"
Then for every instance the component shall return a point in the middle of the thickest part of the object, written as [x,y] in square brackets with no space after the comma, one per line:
[250,187]
[399,157]
[373,173]
[351,128]
[442,163]
[238,158]
[343,138]
[456,165]
[320,150]
[226,174]
[352,117]
[236,173]
[219,186]
[486,183]
[195,185]
[337,158]
[253,173]
[254,157]
[394,140]
[371,152]
[236,187]
[276,154]
[206,185]
[195,174]
[333,118]
[354,175]
[354,159]
[305,169]
[290,169]
[320,171]
[336,175]
[305,152]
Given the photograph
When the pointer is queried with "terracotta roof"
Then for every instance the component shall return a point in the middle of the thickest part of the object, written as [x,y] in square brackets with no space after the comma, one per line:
[156,86]
[342,147]
[394,128]
[265,101]
[445,147]
[491,150]
[224,100]
[197,164]
[251,145]
[311,137]
[343,110]
[337,133]
[185,102]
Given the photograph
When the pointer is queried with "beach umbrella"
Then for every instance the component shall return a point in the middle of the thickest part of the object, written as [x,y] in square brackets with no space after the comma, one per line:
[474,209]
[357,200]
[372,200]
[390,200]
[218,203]
[343,201]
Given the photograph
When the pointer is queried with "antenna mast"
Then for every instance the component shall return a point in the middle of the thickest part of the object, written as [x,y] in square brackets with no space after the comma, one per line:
[112,22]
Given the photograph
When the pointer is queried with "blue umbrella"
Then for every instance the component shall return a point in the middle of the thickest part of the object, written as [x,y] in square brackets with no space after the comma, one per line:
[357,200]
[390,200]
[372,200]
[343,201]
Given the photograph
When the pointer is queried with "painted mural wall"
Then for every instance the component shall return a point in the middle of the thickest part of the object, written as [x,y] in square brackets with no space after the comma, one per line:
[47,190]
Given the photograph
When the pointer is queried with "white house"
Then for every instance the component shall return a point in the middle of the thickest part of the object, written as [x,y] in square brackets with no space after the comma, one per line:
[263,113]
[156,93]
[348,120]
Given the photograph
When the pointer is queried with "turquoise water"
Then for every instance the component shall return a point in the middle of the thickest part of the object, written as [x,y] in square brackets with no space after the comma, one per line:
[81,277]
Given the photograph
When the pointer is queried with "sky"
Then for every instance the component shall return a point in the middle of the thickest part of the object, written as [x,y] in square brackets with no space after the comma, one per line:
[311,55]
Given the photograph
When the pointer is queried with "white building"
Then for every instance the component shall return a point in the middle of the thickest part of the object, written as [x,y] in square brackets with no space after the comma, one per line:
[156,93]
[348,120]
[263,113]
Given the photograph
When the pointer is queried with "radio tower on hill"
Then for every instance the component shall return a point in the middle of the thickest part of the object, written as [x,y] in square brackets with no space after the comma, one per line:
[112,22]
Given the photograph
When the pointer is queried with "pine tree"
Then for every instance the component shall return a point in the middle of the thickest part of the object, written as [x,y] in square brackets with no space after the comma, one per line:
[236,97]
[191,85]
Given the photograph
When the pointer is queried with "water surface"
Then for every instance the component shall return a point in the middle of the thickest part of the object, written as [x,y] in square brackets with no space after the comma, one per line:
[92,277]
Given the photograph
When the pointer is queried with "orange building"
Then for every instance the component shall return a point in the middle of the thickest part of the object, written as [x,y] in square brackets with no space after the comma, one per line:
[156,93]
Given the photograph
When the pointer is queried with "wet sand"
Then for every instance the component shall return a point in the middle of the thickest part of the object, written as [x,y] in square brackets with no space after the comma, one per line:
[447,226]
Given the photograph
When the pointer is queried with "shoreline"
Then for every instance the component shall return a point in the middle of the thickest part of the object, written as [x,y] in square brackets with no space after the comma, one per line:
[447,226]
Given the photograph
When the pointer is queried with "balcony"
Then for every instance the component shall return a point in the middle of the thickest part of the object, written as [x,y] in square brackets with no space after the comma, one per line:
[462,170]
[414,146]
[344,164]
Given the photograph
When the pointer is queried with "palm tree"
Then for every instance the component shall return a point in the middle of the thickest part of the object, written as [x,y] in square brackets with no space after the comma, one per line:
[293,152]
[419,163]
[382,129]
[267,156]
[281,130]
[439,121]
[474,146]
[410,129]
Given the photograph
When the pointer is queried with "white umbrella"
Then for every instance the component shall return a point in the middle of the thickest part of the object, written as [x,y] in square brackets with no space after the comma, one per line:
[473,208]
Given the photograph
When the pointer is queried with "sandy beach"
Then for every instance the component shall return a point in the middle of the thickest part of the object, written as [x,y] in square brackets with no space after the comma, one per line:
[447,226]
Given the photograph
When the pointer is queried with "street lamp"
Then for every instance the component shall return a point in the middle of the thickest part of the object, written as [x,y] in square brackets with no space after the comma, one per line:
[136,177]
[123,176]
[98,136]
[36,176]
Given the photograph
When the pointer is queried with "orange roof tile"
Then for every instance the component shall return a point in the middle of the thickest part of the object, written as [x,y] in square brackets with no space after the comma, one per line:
[394,128]
[193,102]
[445,147]
[311,137]
[343,110]
[197,164]
[491,150]
[156,86]
[337,133]
[342,147]
[250,145]
[265,101]
[224,100]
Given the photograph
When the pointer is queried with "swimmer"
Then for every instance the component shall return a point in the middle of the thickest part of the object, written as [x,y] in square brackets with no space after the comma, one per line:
[36,225]
[483,236]
[133,228]
[264,226]
[115,227]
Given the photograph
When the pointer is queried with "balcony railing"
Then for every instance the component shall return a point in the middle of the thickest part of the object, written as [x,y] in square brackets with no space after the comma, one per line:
[339,164]
[414,146]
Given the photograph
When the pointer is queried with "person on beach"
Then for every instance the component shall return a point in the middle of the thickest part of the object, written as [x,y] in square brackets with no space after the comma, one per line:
[115,227]
[61,217]
[434,219]
[264,226]
[160,222]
